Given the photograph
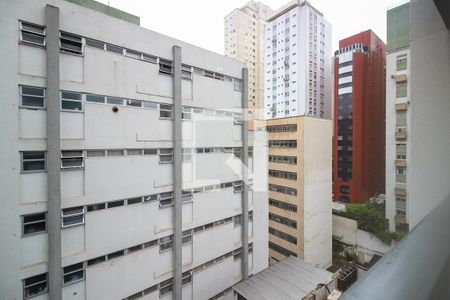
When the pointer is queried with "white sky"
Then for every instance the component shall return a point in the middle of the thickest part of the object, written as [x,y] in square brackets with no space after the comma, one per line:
[200,22]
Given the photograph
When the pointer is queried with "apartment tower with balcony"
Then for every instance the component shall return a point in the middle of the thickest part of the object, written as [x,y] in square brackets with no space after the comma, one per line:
[244,40]
[359,113]
[417,107]
[300,189]
[124,159]
[297,63]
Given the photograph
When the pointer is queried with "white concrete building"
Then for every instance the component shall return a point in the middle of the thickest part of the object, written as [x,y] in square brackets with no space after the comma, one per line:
[297,63]
[121,157]
[244,40]
[417,107]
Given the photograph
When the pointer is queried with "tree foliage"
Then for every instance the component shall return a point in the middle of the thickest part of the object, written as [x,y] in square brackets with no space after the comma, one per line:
[370,218]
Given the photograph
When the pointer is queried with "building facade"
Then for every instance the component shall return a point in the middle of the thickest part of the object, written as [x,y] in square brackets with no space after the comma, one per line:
[124,157]
[397,114]
[417,106]
[300,189]
[297,63]
[244,40]
[359,113]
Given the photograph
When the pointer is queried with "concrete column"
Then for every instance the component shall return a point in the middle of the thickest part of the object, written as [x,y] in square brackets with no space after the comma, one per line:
[244,216]
[53,153]
[177,175]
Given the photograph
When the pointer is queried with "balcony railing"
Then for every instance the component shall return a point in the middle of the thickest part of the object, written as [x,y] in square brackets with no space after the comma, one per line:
[417,268]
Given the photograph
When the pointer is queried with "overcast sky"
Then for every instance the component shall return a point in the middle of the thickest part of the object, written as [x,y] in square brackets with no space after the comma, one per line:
[200,22]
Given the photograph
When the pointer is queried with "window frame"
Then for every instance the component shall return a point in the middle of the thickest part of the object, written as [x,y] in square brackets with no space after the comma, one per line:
[82,270]
[24,286]
[23,223]
[21,95]
[76,214]
[72,158]
[22,160]
[22,30]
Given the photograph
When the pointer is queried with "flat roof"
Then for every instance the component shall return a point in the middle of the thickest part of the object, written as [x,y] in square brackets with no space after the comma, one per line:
[290,279]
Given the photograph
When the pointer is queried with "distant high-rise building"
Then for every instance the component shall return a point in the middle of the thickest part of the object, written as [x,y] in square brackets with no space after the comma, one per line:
[297,63]
[417,111]
[244,40]
[123,160]
[359,112]
[300,189]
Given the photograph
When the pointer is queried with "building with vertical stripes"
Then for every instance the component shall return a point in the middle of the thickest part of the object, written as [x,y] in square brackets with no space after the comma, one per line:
[126,162]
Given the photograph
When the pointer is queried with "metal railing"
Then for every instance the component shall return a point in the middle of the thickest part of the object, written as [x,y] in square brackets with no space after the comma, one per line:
[418,267]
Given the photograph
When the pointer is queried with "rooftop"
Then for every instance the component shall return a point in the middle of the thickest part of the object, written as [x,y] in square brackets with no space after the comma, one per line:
[289,279]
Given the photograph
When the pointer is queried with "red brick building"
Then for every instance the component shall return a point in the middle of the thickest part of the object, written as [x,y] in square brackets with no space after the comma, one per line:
[359,118]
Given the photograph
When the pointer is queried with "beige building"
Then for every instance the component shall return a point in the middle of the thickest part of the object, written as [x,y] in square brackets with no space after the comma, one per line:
[300,189]
[244,40]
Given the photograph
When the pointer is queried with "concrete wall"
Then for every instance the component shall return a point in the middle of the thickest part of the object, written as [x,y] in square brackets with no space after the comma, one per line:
[430,104]
[317,191]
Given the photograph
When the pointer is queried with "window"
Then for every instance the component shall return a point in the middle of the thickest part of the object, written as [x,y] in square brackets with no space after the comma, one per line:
[283,144]
[32,97]
[186,197]
[283,220]
[114,101]
[281,250]
[400,175]
[401,151]
[165,67]
[186,113]
[283,159]
[401,118]
[35,285]
[114,49]
[150,198]
[118,152]
[283,174]
[236,220]
[95,153]
[132,152]
[116,203]
[186,72]
[71,43]
[95,207]
[165,287]
[150,151]
[34,161]
[34,223]
[400,203]
[187,154]
[402,62]
[282,128]
[165,199]
[72,159]
[165,243]
[133,54]
[187,237]
[165,111]
[165,156]
[401,89]
[73,273]
[95,44]
[283,189]
[238,187]
[150,58]
[283,205]
[31,33]
[237,119]
[95,98]
[186,278]
[71,101]
[72,216]
[135,103]
[283,235]
[237,85]
[116,254]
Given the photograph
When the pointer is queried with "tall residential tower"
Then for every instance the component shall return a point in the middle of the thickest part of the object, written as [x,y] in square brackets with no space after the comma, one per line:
[359,112]
[297,63]
[244,40]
